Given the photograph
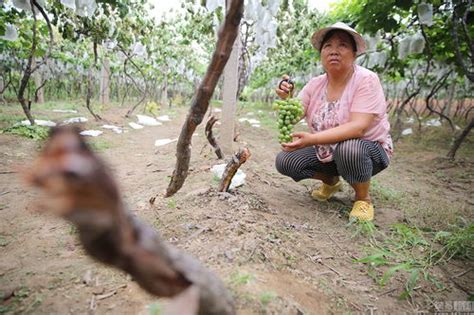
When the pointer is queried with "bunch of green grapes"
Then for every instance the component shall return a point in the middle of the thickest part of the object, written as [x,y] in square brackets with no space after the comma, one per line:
[289,113]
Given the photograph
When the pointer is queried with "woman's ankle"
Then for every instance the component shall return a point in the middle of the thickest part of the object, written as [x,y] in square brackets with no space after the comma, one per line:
[366,199]
[332,181]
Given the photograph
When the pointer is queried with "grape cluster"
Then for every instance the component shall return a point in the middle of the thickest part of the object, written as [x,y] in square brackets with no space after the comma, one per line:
[289,113]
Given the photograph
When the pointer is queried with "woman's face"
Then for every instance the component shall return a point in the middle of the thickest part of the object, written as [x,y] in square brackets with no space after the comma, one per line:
[337,54]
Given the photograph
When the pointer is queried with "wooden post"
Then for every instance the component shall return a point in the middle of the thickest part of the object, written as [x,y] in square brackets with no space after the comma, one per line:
[229,107]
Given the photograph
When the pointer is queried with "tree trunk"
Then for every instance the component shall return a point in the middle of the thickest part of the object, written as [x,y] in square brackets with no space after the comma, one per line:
[29,70]
[2,88]
[144,92]
[104,96]
[460,139]
[39,85]
[436,87]
[27,73]
[201,99]
[462,21]
[398,123]
[164,93]
[448,108]
[80,188]
[90,85]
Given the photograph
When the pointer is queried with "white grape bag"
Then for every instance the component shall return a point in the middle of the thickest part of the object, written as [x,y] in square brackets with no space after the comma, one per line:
[91,133]
[160,142]
[148,121]
[115,129]
[135,125]
[11,34]
[39,122]
[75,120]
[404,47]
[425,13]
[163,118]
[417,44]
[407,132]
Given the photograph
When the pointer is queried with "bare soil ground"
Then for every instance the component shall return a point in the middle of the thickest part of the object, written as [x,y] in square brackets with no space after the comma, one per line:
[277,250]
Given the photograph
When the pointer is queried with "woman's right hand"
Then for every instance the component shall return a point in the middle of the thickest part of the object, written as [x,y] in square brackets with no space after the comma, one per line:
[300,140]
[284,88]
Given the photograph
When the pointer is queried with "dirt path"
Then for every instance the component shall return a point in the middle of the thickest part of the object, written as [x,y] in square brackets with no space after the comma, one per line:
[279,251]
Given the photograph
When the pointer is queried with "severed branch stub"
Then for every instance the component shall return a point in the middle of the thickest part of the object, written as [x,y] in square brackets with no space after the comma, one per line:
[210,137]
[231,168]
[79,187]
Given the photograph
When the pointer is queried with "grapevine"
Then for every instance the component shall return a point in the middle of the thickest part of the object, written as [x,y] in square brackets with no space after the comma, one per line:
[289,113]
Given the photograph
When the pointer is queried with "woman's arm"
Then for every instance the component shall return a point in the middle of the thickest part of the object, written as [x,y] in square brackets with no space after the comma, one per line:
[355,128]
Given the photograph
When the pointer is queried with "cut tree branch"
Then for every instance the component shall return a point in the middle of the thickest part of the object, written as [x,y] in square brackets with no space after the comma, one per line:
[79,187]
[227,36]
[210,137]
[231,168]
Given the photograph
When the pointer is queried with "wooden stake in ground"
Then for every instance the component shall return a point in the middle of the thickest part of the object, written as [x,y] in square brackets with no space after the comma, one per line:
[79,187]
[210,137]
[231,168]
[227,36]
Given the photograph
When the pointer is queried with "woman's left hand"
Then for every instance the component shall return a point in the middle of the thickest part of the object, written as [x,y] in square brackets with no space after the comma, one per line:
[303,139]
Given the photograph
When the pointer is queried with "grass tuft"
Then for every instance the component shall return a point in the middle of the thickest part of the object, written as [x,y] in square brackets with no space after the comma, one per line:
[35,132]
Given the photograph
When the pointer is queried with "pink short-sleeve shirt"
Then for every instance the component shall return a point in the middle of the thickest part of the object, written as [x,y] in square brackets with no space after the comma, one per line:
[363,94]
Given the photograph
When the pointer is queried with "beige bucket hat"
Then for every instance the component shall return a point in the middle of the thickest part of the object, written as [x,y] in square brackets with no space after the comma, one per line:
[318,36]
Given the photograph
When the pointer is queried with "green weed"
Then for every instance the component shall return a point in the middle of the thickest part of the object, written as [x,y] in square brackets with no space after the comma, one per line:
[35,132]
[10,119]
[406,249]
[33,305]
[158,224]
[362,228]
[266,297]
[152,108]
[433,215]
[171,203]
[14,303]
[155,308]
[4,309]
[385,193]
[3,241]
[179,100]
[72,230]
[99,145]
[458,243]
[239,279]
[216,179]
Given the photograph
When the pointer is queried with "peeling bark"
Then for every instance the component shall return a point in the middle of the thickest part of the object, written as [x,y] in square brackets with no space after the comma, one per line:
[80,188]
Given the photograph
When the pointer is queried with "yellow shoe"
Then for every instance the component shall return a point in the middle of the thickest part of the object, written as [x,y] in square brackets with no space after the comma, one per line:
[362,210]
[325,191]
